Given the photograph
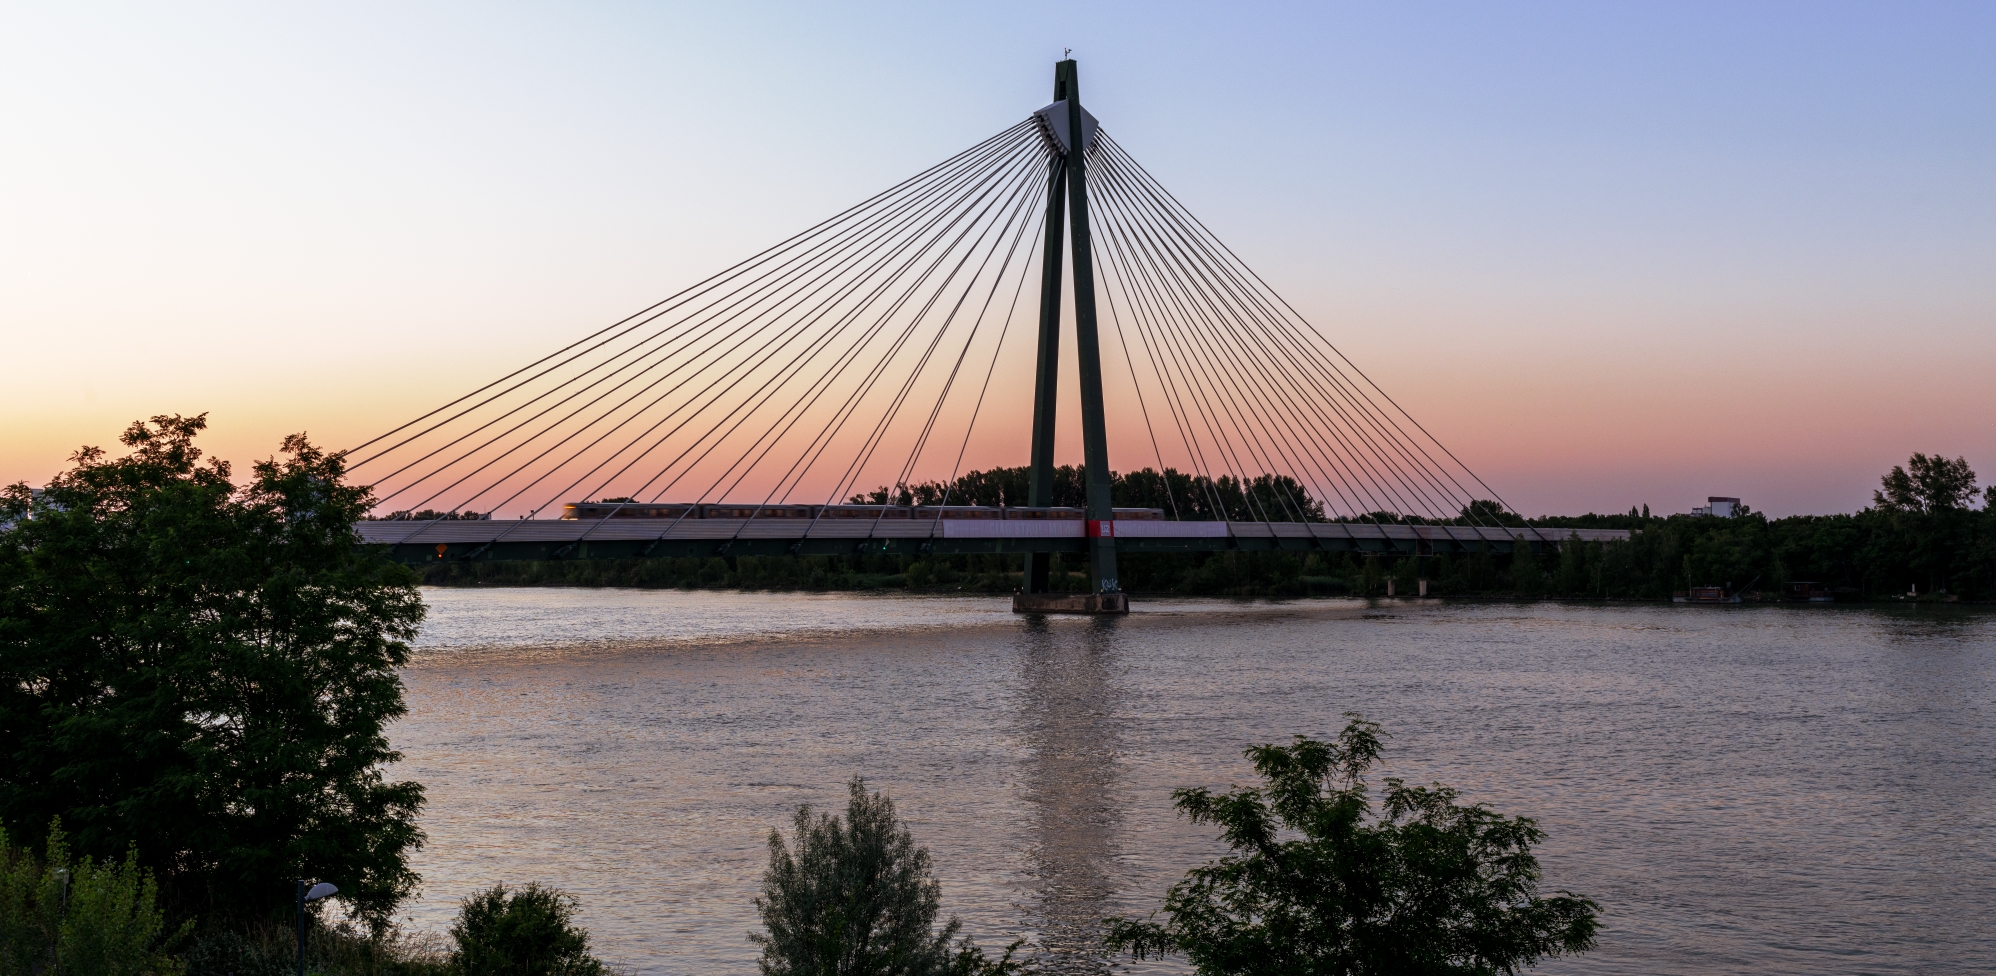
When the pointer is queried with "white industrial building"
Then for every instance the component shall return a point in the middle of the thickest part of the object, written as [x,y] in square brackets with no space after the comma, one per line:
[1719,507]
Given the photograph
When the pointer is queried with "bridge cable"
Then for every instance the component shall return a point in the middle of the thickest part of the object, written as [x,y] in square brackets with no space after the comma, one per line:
[1018,207]
[949,382]
[1191,276]
[1258,411]
[559,466]
[1113,242]
[997,350]
[715,399]
[1206,234]
[1146,246]
[858,235]
[707,283]
[839,362]
[1144,317]
[1200,478]
[1118,202]
[1197,381]
[1143,408]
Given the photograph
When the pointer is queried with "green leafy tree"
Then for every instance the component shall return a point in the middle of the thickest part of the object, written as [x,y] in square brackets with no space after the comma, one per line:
[206,671]
[857,897]
[1926,484]
[1575,566]
[60,915]
[528,931]
[1484,511]
[1526,577]
[1425,886]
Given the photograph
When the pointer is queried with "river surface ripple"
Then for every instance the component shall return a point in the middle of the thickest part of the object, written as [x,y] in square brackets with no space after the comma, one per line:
[1744,789]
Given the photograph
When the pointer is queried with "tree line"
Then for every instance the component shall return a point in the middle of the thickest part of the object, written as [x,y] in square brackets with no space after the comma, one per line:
[1923,534]
[1192,498]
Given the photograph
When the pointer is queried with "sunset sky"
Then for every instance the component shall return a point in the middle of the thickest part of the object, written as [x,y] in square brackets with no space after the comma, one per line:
[1611,255]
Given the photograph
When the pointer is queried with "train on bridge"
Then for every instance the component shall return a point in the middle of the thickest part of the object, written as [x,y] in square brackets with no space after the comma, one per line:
[615,529]
[725,510]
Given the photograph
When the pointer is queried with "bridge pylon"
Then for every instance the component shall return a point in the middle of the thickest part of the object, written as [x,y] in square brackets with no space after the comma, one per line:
[1072,131]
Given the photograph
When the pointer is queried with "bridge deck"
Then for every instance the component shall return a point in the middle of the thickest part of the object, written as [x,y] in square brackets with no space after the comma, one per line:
[613,538]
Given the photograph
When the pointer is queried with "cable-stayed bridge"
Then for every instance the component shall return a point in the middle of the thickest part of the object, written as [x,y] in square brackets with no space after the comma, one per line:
[755,412]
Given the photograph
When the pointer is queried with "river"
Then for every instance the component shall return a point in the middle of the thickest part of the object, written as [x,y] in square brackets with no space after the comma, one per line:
[1743,789]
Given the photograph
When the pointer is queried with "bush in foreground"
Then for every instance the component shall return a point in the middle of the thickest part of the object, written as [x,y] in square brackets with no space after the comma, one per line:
[857,897]
[527,931]
[59,915]
[1426,886]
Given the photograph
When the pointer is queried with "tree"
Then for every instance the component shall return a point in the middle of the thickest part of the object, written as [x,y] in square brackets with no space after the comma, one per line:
[1934,484]
[1426,886]
[1526,577]
[206,671]
[858,898]
[1575,566]
[1484,511]
[530,931]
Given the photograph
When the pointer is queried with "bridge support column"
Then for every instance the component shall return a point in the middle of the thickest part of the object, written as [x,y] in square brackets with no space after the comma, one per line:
[1088,351]
[1070,603]
[1046,377]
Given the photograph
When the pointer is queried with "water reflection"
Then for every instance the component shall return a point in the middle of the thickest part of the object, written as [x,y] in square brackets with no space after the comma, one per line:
[1070,727]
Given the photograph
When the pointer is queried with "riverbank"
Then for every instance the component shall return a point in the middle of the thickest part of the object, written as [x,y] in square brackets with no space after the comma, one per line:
[1240,575]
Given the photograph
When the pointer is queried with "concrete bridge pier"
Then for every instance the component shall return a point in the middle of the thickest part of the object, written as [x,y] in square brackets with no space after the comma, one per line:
[1070,602]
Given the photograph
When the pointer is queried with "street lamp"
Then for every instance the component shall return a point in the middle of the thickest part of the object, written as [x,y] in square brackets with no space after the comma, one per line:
[317,892]
[62,913]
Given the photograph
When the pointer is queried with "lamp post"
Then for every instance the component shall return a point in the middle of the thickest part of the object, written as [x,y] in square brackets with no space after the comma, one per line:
[317,892]
[62,912]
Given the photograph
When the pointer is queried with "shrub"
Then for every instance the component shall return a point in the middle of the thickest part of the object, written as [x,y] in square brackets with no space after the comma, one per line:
[86,917]
[1427,886]
[857,897]
[528,931]
[270,949]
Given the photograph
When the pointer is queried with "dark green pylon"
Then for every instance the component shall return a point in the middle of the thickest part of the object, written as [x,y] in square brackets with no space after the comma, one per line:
[1087,350]
[1047,375]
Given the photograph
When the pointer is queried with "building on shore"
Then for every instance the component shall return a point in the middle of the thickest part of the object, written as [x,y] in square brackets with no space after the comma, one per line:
[1719,507]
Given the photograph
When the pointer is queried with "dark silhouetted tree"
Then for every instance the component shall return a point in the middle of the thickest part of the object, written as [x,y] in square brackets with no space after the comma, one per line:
[207,671]
[1484,511]
[1320,884]
[1926,484]
[1526,577]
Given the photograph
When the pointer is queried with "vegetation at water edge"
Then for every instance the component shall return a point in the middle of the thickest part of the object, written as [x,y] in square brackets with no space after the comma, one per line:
[1922,533]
